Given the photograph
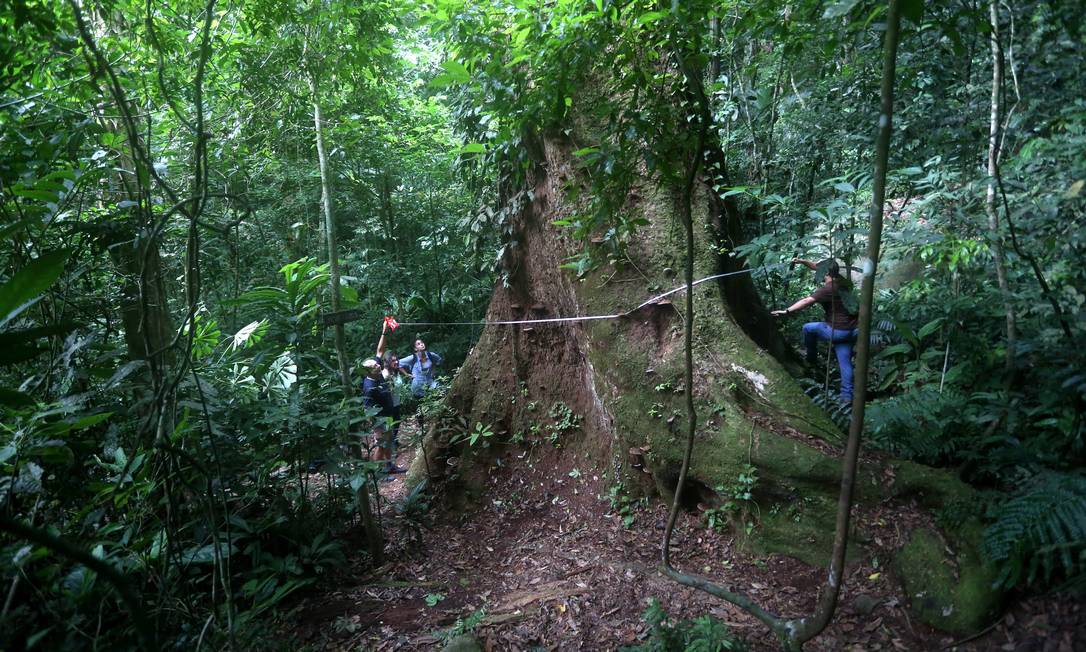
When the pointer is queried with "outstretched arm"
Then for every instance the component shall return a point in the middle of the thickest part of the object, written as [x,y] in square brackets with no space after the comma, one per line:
[809,264]
[381,342]
[795,307]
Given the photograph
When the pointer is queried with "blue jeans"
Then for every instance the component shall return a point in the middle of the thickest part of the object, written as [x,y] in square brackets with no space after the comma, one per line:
[842,342]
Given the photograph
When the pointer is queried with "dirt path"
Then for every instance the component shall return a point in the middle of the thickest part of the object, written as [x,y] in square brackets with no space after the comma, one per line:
[546,565]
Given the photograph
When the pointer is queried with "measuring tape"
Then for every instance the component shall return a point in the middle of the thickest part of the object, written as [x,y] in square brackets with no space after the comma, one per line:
[344,316]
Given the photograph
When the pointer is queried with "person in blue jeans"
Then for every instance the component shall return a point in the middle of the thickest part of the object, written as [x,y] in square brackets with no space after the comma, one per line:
[839,328]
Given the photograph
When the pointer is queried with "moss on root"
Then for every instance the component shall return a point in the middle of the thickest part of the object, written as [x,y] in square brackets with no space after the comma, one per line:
[931,488]
[949,591]
[805,533]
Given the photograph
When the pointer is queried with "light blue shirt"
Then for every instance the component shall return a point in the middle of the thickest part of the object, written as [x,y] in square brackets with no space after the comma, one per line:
[422,373]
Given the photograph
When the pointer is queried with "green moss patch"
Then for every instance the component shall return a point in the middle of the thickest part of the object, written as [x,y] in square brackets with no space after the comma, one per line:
[805,532]
[951,592]
[932,488]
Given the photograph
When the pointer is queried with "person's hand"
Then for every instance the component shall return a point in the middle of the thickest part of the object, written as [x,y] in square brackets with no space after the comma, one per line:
[779,313]
[796,259]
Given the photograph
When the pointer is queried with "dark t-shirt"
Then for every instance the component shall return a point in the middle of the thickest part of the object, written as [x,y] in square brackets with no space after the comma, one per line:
[375,394]
[837,315]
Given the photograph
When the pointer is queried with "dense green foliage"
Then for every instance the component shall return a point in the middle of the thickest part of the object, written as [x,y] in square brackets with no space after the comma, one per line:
[165,379]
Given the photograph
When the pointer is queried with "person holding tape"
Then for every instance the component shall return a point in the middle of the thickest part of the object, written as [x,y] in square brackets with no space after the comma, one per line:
[391,372]
[840,326]
[375,394]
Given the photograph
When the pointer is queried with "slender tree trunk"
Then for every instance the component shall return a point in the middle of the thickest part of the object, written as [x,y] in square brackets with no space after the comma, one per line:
[373,534]
[813,625]
[995,233]
[330,236]
[148,326]
[390,217]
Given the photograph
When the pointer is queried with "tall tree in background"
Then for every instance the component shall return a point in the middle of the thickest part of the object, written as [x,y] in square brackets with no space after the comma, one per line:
[995,142]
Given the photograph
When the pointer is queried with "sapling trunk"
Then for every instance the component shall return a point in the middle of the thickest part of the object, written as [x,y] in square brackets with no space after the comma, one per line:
[809,627]
[373,533]
[994,232]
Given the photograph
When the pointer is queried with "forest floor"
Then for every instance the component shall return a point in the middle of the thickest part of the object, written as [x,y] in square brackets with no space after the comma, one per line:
[550,566]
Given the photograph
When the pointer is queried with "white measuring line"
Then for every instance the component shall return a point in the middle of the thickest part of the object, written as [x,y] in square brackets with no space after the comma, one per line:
[555,320]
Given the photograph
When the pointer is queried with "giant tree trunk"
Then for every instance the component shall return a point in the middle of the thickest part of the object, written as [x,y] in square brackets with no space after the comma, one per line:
[623,379]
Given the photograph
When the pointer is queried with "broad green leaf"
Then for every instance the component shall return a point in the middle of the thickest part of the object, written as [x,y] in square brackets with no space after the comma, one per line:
[25,288]
[473,148]
[895,350]
[8,230]
[61,427]
[52,452]
[65,175]
[33,639]
[12,398]
[442,80]
[29,335]
[250,334]
[906,332]
[649,17]
[929,328]
[206,554]
[16,353]
[257,295]
[33,193]
[456,71]
[348,294]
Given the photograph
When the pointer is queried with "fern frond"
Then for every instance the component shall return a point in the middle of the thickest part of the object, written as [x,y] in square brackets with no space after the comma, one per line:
[839,413]
[1041,529]
[922,425]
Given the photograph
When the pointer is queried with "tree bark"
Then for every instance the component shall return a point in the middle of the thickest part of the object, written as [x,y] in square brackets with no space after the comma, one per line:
[148,325]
